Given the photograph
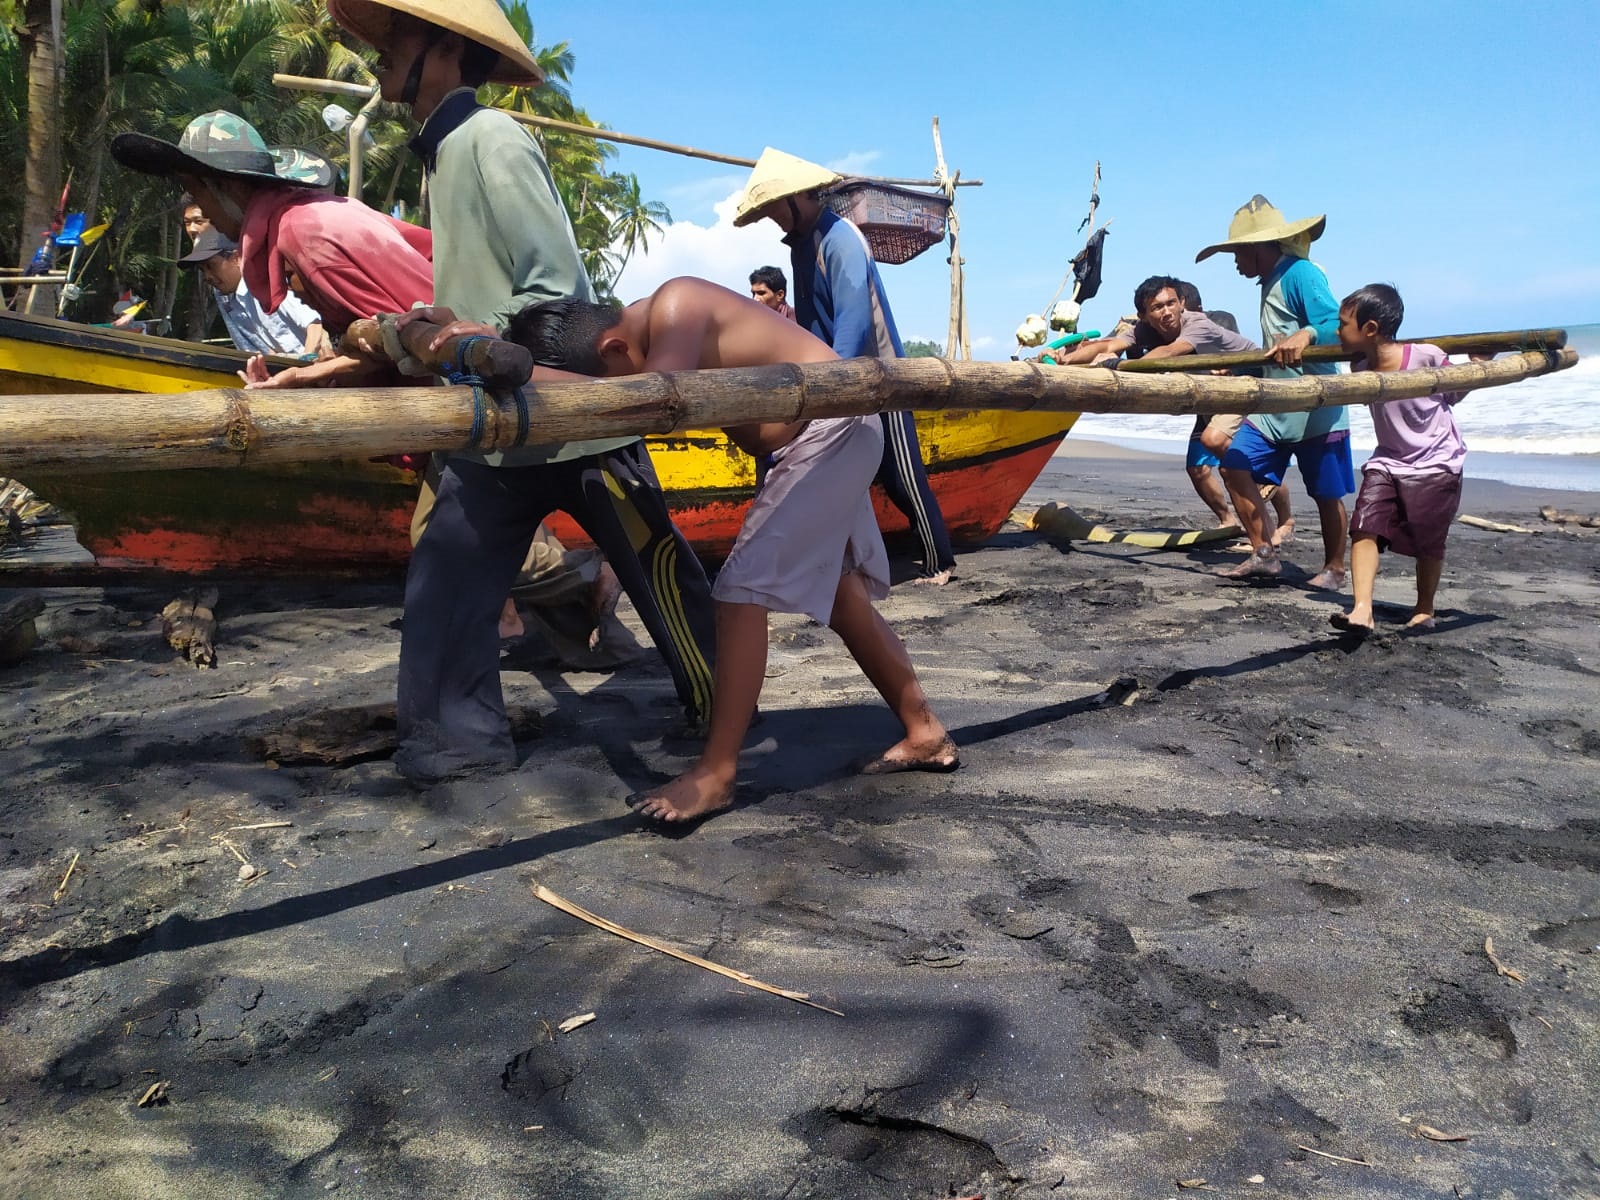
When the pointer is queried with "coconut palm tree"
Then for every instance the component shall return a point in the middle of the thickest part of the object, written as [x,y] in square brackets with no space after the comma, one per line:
[38,27]
[636,219]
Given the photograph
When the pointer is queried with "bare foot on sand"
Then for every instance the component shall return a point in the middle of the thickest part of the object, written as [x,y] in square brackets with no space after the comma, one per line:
[694,795]
[511,625]
[1327,580]
[1420,621]
[603,603]
[1350,623]
[1285,533]
[940,757]
[1262,563]
[937,579]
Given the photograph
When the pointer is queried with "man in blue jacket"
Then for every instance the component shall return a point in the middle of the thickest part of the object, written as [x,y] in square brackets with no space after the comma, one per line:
[839,296]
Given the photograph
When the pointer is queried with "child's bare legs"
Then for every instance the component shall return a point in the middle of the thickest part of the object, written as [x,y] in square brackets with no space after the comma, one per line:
[1363,573]
[1256,521]
[1209,488]
[1428,572]
[741,667]
[1335,532]
[1280,506]
[882,657]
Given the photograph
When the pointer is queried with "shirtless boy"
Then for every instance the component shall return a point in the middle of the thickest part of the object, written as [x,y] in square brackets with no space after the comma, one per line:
[810,543]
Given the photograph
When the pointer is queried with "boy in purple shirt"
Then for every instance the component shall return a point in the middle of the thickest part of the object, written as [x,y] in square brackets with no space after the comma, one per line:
[1411,486]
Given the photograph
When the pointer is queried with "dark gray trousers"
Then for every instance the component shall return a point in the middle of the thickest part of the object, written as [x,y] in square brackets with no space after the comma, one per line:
[451,713]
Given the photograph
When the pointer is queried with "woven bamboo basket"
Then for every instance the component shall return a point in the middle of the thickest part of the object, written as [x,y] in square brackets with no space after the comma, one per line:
[898,223]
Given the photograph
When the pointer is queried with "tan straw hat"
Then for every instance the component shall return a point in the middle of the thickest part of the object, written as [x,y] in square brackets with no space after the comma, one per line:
[1259,222]
[777,175]
[479,21]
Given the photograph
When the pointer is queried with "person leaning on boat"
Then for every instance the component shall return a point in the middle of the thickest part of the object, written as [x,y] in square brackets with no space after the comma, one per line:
[839,296]
[504,240]
[295,329]
[347,261]
[1165,326]
[313,340]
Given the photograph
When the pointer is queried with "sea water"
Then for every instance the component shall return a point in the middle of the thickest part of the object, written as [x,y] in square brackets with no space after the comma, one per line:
[1542,432]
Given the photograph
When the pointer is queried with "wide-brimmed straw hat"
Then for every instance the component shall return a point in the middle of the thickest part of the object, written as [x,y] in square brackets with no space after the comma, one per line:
[777,175]
[1259,222]
[222,143]
[478,21]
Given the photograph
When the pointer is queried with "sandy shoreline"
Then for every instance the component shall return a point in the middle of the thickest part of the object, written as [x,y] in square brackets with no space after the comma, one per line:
[1211,888]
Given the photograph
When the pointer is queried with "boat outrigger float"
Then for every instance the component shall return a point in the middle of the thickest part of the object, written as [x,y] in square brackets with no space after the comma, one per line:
[990,427]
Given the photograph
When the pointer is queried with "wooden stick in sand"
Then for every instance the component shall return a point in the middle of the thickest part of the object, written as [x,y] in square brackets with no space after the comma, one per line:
[1357,1162]
[232,427]
[583,914]
[1455,343]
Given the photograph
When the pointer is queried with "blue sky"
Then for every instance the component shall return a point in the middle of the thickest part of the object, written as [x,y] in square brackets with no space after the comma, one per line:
[1455,148]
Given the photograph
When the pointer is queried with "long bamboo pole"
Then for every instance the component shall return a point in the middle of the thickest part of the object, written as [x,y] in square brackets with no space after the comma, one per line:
[231,427]
[338,87]
[1455,343]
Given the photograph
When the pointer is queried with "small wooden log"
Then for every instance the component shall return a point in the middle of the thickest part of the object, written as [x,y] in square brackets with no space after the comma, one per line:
[343,736]
[190,626]
[1494,526]
[43,435]
[1517,340]
[500,364]
[1561,516]
[19,633]
[1060,521]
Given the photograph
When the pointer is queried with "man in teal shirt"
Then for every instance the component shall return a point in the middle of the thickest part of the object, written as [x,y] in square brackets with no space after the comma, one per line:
[502,240]
[1298,310]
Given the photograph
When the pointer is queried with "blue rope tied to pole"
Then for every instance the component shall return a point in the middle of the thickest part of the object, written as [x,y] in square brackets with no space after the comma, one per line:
[457,372]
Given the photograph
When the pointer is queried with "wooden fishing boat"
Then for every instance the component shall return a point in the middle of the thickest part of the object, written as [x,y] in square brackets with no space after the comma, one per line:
[337,517]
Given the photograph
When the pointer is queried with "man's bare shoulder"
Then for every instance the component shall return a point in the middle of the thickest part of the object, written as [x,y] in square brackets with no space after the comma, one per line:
[742,331]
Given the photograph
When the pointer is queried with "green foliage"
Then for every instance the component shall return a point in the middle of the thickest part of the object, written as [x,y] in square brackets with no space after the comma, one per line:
[150,66]
[920,349]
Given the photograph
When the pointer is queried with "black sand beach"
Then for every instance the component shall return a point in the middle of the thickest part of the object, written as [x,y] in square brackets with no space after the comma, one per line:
[1207,901]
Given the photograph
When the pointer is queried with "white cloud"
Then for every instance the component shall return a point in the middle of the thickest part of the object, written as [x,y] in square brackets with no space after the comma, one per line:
[854,163]
[718,252]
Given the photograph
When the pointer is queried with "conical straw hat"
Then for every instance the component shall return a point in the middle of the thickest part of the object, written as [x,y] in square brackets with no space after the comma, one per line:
[777,175]
[479,21]
[1259,222]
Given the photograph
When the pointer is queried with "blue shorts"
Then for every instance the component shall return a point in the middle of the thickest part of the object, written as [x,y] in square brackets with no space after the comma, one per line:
[1199,456]
[1325,463]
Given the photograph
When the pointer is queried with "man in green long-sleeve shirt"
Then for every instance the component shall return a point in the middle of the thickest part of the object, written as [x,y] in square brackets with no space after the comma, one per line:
[502,239]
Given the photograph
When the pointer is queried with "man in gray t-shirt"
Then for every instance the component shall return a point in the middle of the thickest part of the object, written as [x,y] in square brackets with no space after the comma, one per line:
[1166,328]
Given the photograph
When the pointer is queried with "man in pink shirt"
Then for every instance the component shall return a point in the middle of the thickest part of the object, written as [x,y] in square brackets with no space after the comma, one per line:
[343,259]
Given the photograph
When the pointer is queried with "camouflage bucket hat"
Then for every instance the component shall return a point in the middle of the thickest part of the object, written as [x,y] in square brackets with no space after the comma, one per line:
[217,143]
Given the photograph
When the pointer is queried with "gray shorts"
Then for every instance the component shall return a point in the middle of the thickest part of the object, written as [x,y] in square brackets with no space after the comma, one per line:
[811,523]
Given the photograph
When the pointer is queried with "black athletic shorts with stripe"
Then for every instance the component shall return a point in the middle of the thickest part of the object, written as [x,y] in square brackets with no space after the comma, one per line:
[451,713]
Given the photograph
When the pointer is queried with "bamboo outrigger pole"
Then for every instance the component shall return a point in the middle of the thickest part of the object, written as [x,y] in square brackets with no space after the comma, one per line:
[1455,343]
[232,427]
[365,92]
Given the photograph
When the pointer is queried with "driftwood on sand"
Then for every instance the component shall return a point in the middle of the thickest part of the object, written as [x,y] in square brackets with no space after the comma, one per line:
[1559,516]
[18,632]
[1059,521]
[236,427]
[189,624]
